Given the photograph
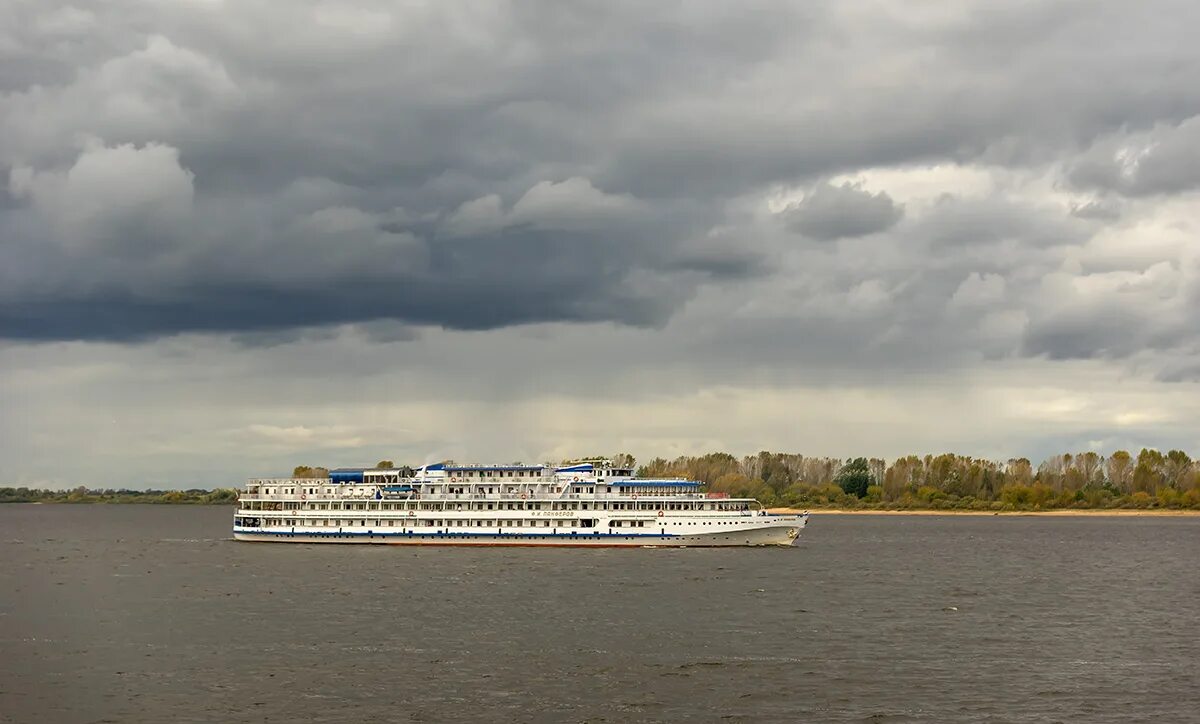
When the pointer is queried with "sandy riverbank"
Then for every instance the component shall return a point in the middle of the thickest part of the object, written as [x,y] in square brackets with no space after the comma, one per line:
[1062,513]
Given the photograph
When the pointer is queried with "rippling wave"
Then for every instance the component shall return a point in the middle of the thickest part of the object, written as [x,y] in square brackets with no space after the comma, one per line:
[151,614]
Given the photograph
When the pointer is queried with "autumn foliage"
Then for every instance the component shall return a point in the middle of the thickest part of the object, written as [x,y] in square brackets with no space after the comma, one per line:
[948,481]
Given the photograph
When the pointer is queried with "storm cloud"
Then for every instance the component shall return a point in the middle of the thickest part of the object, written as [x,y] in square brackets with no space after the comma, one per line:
[680,197]
[166,171]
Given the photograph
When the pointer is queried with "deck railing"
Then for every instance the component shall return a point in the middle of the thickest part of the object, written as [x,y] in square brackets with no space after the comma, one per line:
[436,497]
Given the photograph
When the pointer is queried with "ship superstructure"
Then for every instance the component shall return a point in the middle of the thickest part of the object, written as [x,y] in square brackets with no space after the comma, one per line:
[589,503]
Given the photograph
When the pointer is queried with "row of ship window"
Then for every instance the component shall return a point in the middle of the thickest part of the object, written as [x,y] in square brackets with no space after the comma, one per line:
[431,523]
[524,473]
[496,474]
[519,505]
[565,523]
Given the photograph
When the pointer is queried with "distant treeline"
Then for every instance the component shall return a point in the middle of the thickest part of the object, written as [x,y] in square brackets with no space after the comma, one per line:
[195,496]
[941,482]
[1084,480]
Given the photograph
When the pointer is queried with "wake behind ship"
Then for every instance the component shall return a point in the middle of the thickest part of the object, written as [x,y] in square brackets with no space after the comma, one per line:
[592,503]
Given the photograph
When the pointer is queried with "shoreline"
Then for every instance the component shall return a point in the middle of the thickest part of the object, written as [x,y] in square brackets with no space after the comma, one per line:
[1064,513]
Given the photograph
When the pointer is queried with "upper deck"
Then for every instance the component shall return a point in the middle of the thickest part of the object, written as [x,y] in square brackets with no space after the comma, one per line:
[583,481]
[495,474]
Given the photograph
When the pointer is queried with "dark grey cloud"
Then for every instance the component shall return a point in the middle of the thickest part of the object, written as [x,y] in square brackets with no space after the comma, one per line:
[255,169]
[518,278]
[1113,315]
[1181,372]
[1086,333]
[121,246]
[834,212]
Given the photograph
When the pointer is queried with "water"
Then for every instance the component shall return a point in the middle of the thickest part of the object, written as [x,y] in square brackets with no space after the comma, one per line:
[143,613]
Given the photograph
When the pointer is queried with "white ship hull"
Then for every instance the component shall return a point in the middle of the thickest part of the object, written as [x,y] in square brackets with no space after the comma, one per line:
[776,533]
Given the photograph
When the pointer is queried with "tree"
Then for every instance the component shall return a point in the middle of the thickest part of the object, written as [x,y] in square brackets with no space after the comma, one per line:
[656,468]
[1148,473]
[855,477]
[624,460]
[1178,465]
[1020,471]
[1053,470]
[221,496]
[878,470]
[895,479]
[1120,469]
[384,465]
[904,476]
[1088,464]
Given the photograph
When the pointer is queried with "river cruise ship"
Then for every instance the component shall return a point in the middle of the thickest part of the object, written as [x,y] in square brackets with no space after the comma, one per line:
[592,503]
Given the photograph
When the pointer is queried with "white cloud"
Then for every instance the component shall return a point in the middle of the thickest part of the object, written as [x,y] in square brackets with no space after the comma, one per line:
[915,184]
[570,205]
[979,290]
[483,215]
[149,94]
[109,187]
[868,296]
[300,439]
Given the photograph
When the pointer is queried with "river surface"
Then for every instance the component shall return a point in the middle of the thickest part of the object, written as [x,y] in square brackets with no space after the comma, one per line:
[151,613]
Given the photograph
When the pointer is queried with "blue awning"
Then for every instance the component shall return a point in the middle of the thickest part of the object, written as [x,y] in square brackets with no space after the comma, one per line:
[346,475]
[584,468]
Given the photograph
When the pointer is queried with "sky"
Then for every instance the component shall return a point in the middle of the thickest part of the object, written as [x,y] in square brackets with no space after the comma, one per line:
[240,236]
